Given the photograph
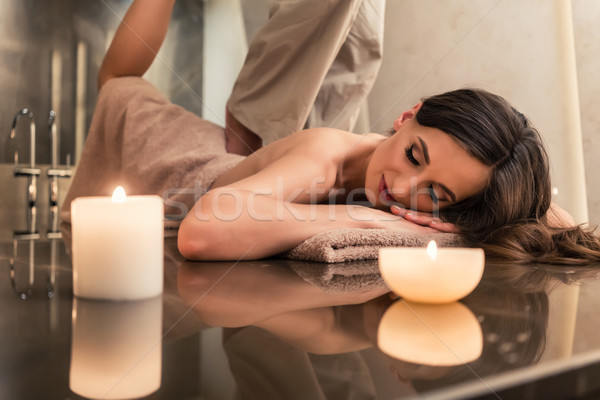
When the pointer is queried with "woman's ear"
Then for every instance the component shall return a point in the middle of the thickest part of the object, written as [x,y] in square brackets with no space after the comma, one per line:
[406,115]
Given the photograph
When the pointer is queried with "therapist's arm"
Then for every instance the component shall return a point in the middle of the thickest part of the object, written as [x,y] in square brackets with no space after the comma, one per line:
[137,39]
[239,139]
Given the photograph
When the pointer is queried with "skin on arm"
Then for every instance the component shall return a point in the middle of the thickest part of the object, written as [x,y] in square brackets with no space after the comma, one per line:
[270,202]
[137,40]
[265,213]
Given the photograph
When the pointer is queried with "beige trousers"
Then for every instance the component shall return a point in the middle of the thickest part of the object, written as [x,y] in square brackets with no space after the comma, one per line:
[312,64]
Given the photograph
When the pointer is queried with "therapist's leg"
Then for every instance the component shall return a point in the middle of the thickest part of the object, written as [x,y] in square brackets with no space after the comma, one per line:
[286,65]
[353,73]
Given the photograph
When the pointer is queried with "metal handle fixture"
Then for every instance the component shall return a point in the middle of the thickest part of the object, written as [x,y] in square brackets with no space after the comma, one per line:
[30,172]
[54,173]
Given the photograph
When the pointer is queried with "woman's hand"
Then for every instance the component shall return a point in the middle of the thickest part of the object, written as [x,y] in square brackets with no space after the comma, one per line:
[424,219]
[379,219]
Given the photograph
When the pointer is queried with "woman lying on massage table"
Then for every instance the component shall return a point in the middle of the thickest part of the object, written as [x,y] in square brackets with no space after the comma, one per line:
[461,161]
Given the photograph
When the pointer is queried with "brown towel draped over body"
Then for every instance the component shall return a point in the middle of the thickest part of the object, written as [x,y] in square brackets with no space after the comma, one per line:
[143,142]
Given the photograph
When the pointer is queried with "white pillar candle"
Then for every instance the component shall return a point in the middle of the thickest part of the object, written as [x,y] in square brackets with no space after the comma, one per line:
[431,275]
[430,334]
[117,246]
[116,348]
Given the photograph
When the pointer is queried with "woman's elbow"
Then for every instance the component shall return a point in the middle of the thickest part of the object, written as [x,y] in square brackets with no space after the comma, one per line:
[196,244]
[191,246]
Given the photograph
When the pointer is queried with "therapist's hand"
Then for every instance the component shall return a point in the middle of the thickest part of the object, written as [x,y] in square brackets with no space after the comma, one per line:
[424,218]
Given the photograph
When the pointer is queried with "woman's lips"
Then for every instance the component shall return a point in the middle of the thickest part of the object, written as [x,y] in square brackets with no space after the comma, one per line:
[383,191]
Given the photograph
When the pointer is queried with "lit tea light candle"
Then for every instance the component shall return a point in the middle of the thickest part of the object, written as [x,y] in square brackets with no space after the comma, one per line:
[117,246]
[430,334]
[431,275]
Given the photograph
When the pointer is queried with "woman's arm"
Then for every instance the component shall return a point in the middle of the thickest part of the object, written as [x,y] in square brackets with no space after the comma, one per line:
[276,208]
[261,215]
[243,225]
[137,39]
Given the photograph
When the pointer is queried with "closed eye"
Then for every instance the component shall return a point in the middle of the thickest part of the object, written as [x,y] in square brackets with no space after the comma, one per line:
[409,154]
[434,198]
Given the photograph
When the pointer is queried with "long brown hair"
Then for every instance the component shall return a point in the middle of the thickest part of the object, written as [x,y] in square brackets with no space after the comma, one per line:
[509,218]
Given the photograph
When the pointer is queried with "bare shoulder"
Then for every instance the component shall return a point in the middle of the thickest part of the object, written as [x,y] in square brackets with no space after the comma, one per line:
[325,146]
[315,141]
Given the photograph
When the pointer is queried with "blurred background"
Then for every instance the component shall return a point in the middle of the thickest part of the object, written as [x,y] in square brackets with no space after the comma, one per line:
[541,55]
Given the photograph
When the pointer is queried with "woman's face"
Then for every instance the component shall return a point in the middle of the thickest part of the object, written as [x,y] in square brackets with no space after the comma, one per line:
[422,168]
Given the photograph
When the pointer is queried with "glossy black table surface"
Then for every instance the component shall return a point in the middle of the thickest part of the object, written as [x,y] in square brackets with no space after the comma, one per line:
[256,330]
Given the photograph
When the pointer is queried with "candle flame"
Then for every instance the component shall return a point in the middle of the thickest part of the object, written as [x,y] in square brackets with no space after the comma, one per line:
[432,250]
[119,195]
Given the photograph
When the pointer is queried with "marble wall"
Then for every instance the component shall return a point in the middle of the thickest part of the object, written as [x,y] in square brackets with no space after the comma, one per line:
[586,14]
[517,49]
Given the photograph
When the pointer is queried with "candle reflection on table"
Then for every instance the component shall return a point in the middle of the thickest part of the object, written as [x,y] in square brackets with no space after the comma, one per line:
[428,334]
[116,348]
